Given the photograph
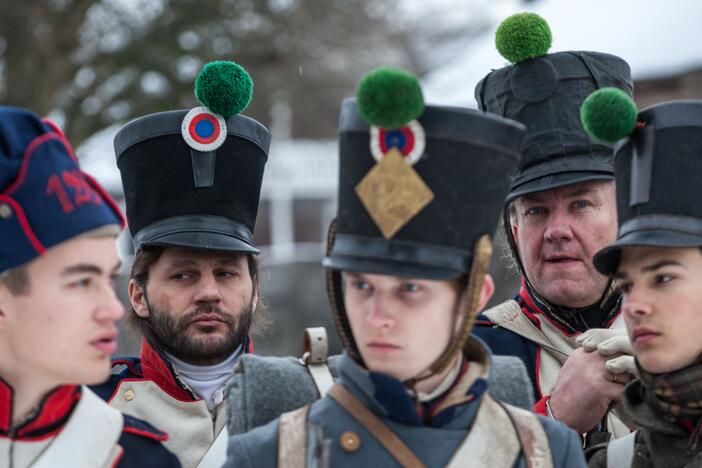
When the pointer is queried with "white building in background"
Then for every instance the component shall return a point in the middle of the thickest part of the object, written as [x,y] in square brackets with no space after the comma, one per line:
[298,199]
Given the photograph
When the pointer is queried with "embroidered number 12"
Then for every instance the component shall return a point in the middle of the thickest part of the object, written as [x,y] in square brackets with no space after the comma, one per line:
[74,180]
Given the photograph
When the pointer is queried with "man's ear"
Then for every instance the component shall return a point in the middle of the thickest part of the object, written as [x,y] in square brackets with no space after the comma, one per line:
[486,292]
[137,297]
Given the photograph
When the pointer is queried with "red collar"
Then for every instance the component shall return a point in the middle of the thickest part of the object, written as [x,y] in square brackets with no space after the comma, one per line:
[533,312]
[157,368]
[51,415]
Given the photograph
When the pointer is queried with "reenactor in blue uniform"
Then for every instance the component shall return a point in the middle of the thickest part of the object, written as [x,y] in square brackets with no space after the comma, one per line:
[560,211]
[192,180]
[420,192]
[657,264]
[58,309]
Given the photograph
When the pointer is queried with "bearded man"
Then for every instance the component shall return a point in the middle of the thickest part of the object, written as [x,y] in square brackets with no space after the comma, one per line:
[192,182]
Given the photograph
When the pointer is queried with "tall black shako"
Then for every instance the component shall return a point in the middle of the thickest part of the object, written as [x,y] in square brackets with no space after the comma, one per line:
[420,191]
[192,177]
[657,166]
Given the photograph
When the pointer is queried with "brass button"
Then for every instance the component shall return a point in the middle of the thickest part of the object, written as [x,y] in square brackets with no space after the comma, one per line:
[5,211]
[350,441]
[129,395]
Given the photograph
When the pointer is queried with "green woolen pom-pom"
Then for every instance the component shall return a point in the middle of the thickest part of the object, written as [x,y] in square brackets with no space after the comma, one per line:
[390,97]
[608,115]
[523,36]
[224,88]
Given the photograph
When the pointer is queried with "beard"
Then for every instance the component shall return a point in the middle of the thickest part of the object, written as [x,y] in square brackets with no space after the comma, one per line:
[209,347]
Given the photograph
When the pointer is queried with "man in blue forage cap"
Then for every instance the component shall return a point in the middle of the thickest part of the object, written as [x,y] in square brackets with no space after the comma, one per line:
[58,309]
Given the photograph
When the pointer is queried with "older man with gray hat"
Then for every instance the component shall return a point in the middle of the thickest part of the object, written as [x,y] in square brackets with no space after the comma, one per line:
[560,211]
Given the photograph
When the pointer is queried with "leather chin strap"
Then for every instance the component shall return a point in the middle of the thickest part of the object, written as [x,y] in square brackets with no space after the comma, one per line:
[507,226]
[468,304]
[336,302]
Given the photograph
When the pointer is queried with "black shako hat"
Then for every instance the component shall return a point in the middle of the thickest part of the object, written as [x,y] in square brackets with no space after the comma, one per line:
[544,92]
[420,193]
[657,169]
[192,178]
[419,185]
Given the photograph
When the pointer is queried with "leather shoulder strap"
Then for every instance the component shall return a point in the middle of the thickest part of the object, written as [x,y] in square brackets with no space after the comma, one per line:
[315,358]
[388,439]
[292,438]
[216,455]
[620,452]
[496,438]
[532,436]
[509,315]
[88,438]
[491,442]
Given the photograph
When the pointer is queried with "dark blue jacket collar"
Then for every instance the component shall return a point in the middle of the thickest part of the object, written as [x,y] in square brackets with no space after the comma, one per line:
[389,398]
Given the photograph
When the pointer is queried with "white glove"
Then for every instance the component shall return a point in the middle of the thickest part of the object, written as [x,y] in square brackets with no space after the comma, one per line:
[622,365]
[617,344]
[606,341]
[609,342]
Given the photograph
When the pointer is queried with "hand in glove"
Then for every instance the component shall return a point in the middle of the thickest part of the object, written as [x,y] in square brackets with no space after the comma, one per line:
[610,342]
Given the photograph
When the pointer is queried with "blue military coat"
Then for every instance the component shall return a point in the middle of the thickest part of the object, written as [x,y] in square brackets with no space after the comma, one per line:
[433,431]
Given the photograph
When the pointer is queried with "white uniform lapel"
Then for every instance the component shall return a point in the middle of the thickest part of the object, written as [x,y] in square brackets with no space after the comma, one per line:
[88,439]
[509,315]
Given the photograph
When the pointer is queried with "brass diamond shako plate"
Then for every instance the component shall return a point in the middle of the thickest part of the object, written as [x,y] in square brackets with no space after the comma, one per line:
[393,193]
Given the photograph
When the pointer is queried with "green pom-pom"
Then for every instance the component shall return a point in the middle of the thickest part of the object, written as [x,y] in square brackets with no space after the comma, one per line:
[523,36]
[390,97]
[608,115]
[224,88]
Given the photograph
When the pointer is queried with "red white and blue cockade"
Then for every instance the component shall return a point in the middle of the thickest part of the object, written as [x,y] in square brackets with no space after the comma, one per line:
[410,140]
[204,130]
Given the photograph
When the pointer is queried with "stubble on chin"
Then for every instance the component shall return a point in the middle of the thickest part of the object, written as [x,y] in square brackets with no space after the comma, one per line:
[201,347]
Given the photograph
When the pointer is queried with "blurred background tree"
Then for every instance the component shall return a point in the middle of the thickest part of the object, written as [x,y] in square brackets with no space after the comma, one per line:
[90,63]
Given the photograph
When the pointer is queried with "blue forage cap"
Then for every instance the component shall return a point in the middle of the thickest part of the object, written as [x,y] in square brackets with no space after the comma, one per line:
[45,199]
